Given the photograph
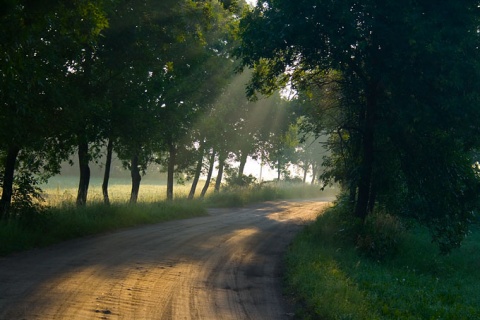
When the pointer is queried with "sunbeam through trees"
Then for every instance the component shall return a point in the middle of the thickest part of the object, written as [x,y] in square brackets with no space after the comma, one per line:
[383,100]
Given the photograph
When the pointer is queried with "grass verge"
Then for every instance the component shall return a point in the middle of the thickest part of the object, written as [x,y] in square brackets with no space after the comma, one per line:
[67,222]
[237,197]
[63,220]
[331,280]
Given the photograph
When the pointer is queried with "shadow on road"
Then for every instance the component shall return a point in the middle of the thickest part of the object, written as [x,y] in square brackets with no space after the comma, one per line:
[225,265]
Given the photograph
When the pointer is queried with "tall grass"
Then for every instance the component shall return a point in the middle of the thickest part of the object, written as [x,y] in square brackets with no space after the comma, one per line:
[63,220]
[67,221]
[332,280]
[64,190]
[61,190]
[237,197]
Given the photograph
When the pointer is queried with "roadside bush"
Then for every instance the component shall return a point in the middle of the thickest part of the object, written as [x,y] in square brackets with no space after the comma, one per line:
[294,180]
[380,235]
[27,200]
[241,181]
[226,199]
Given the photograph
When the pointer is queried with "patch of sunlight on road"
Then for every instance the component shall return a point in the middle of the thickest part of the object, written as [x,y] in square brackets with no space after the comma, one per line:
[303,213]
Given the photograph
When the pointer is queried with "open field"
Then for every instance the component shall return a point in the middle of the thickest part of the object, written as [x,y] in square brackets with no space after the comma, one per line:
[64,189]
[61,190]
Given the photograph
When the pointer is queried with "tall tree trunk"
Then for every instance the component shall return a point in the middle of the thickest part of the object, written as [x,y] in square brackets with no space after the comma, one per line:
[373,198]
[198,171]
[305,171]
[352,193]
[83,159]
[243,162]
[106,175]
[8,177]
[221,165]
[172,154]
[136,178]
[279,170]
[314,173]
[364,185]
[209,174]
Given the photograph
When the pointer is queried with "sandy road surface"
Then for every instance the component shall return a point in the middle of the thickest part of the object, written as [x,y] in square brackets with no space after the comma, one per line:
[224,266]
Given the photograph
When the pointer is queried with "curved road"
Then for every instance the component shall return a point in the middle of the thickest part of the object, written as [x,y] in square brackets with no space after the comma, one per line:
[224,266]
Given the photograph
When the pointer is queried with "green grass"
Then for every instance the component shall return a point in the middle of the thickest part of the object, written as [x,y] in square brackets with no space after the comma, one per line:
[63,220]
[67,221]
[331,280]
[61,190]
[237,197]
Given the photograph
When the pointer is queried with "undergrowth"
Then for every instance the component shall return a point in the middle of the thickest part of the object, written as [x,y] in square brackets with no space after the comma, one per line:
[64,220]
[240,196]
[68,221]
[333,278]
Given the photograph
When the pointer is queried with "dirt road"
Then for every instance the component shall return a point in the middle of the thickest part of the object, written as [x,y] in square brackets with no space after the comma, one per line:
[224,266]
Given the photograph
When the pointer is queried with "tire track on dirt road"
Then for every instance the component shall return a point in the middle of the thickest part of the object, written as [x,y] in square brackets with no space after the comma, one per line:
[224,266]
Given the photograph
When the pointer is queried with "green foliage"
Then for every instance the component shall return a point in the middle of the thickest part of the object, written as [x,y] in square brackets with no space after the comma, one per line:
[235,181]
[226,199]
[236,197]
[381,235]
[317,280]
[43,49]
[397,92]
[120,71]
[333,280]
[66,221]
[27,200]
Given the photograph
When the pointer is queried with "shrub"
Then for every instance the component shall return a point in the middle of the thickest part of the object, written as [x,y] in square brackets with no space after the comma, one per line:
[27,200]
[380,235]
[226,199]
[241,181]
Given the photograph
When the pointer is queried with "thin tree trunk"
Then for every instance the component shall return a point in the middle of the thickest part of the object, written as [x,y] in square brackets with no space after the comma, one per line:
[83,159]
[305,171]
[372,199]
[352,192]
[106,175]
[198,171]
[171,168]
[363,196]
[260,177]
[314,173]
[136,178]
[221,166]
[8,177]
[279,170]
[364,185]
[209,175]
[243,162]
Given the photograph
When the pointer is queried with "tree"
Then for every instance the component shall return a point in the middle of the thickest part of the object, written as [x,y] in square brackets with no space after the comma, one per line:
[310,152]
[211,164]
[145,71]
[201,58]
[37,42]
[403,70]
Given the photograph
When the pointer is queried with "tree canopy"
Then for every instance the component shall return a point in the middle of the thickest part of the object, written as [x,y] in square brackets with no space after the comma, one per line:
[391,88]
[406,81]
[136,78]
